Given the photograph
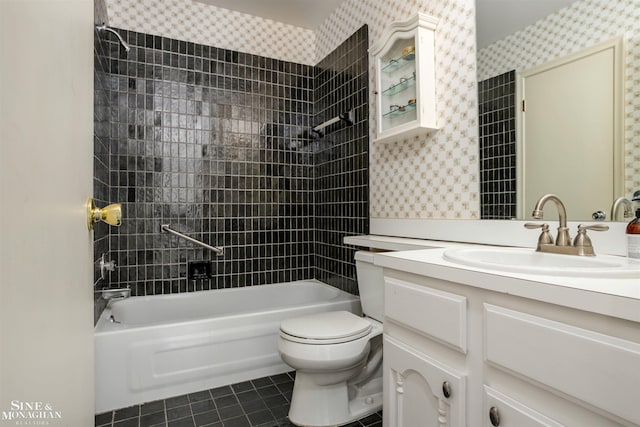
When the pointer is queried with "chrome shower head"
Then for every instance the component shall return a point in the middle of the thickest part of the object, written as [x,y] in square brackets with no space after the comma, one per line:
[124,44]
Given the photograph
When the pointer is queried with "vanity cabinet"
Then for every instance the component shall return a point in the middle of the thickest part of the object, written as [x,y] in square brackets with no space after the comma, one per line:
[405,79]
[510,361]
[422,389]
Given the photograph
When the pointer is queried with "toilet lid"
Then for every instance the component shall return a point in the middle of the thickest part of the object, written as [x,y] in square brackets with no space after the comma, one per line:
[326,328]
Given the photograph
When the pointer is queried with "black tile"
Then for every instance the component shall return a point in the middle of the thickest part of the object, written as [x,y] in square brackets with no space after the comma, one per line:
[203,406]
[223,401]
[206,418]
[121,414]
[178,412]
[103,419]
[254,406]
[152,407]
[130,422]
[241,421]
[260,417]
[230,411]
[152,419]
[183,422]
[199,396]
[244,386]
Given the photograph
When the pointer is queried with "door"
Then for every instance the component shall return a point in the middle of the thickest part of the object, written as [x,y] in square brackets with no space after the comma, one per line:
[46,146]
[420,391]
[571,128]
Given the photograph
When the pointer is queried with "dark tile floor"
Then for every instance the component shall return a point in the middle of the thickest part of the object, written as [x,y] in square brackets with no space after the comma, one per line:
[263,402]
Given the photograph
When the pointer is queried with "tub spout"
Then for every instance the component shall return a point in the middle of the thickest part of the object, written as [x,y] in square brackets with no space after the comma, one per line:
[115,294]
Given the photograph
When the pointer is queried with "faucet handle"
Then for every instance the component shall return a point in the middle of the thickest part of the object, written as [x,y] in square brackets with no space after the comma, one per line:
[582,242]
[545,237]
[594,227]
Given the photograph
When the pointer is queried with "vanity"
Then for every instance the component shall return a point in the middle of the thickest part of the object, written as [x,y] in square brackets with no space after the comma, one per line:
[477,336]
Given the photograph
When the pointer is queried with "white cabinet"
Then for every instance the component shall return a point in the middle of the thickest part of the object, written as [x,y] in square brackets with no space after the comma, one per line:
[405,79]
[501,410]
[419,390]
[520,362]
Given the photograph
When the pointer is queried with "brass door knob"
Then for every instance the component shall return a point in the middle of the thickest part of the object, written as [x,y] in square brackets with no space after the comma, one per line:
[111,214]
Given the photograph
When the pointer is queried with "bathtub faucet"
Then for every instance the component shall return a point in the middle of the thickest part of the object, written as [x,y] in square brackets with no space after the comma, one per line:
[115,294]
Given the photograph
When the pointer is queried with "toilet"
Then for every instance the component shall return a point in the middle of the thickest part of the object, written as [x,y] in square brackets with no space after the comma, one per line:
[337,356]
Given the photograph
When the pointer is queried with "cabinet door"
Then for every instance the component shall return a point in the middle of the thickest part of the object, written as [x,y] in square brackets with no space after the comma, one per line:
[501,410]
[420,391]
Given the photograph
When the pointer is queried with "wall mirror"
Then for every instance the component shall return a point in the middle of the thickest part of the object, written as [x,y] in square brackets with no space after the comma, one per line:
[552,29]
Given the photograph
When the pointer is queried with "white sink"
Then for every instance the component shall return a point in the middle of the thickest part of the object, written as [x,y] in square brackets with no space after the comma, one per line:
[528,261]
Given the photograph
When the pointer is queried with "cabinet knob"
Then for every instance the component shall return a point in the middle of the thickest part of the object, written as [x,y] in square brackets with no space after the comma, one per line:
[494,416]
[446,389]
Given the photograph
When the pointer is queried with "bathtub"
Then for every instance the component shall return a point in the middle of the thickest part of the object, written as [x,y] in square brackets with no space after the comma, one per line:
[155,347]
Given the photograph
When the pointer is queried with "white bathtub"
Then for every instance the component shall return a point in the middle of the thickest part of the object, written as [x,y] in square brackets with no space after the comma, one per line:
[168,345]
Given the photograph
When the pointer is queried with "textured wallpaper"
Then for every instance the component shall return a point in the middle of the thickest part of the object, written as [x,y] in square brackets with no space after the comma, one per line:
[578,26]
[435,175]
[201,23]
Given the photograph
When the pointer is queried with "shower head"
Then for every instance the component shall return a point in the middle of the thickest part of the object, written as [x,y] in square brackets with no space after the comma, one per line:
[124,44]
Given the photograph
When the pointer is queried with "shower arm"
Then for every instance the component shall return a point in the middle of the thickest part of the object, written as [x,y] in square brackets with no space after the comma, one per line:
[124,44]
[168,229]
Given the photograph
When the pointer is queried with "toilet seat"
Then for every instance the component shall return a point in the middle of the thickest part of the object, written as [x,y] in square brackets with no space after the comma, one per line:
[332,327]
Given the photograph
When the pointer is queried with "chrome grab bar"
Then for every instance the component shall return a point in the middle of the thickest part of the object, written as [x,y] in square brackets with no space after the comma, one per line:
[168,229]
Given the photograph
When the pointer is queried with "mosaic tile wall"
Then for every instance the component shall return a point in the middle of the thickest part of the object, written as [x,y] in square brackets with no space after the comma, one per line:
[497,116]
[213,26]
[578,26]
[435,175]
[341,160]
[215,143]
[102,112]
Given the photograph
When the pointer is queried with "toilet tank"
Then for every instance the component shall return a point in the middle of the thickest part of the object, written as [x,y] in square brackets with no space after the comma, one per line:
[370,285]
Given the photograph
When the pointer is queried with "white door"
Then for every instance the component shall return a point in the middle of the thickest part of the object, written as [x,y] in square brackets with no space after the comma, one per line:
[420,391]
[46,151]
[571,132]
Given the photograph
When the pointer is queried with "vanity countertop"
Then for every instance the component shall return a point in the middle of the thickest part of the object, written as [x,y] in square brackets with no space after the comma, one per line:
[619,297]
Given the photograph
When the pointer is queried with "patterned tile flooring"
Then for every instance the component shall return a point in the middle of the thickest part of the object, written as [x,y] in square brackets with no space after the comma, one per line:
[262,402]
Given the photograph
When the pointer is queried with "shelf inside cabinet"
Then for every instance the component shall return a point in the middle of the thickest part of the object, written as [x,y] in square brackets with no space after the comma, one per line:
[398,63]
[403,84]
[400,110]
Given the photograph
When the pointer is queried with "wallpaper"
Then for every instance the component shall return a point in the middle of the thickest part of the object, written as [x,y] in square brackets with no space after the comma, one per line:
[209,25]
[578,26]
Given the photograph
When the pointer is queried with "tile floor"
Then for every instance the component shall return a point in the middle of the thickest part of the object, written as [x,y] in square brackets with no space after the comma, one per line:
[263,402]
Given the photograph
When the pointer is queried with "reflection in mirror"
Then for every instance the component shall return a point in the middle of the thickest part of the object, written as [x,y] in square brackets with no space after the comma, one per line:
[563,28]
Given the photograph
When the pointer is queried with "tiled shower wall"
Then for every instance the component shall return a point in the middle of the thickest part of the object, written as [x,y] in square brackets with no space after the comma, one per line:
[341,160]
[216,143]
[101,143]
[496,104]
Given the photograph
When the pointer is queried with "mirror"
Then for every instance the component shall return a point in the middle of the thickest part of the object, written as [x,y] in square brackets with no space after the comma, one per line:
[546,30]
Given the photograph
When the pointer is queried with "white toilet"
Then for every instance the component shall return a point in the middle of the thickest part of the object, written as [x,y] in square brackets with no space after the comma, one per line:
[337,356]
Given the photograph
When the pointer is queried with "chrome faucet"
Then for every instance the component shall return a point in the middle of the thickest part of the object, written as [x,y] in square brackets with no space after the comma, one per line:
[563,245]
[628,209]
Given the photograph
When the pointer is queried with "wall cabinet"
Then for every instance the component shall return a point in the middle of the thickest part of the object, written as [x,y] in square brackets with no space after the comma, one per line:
[405,79]
[513,361]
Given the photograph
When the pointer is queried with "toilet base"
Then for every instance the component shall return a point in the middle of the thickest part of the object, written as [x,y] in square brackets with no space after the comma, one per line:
[335,404]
